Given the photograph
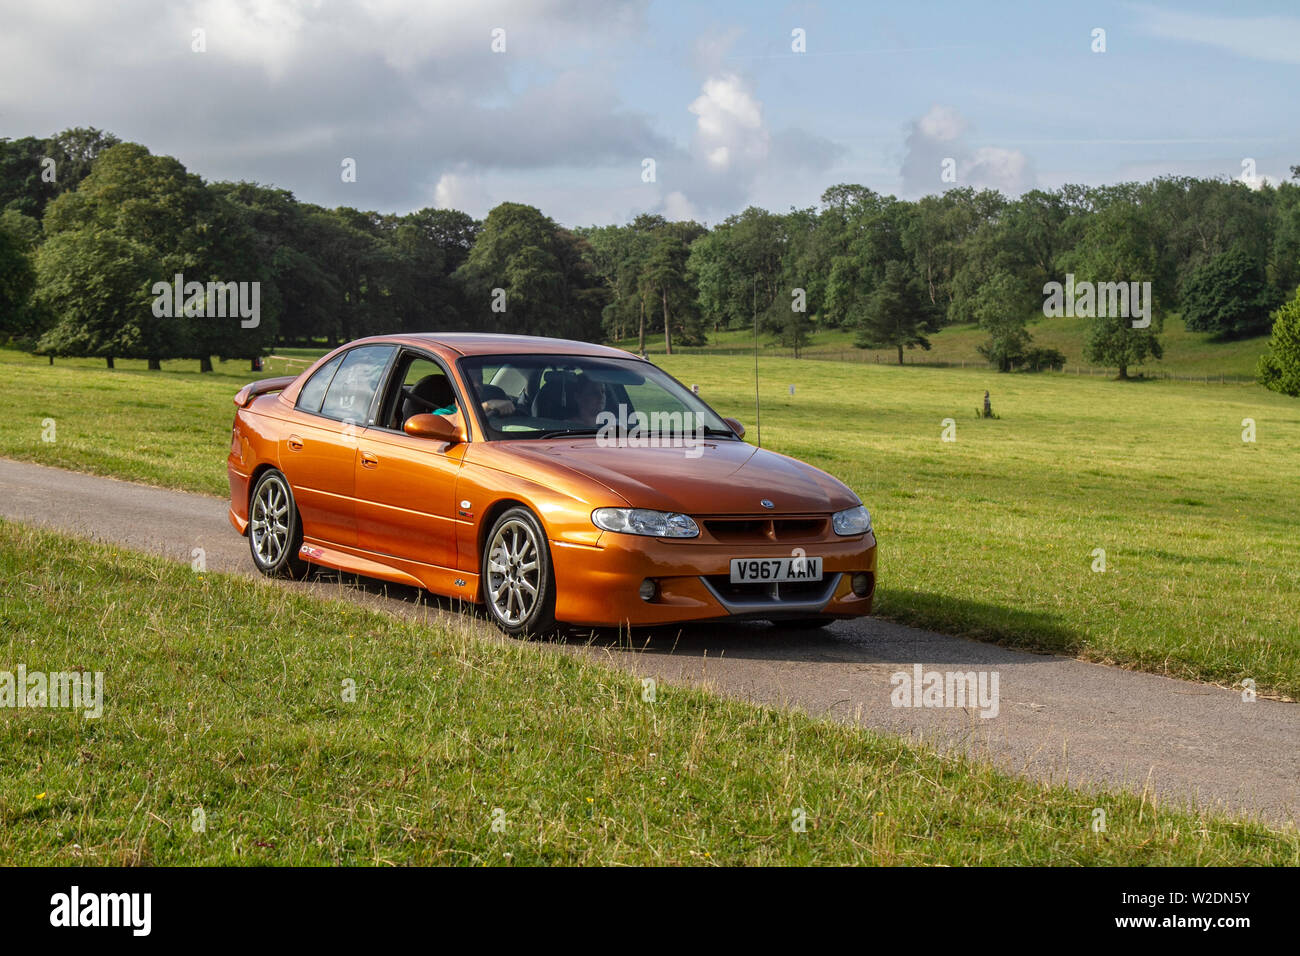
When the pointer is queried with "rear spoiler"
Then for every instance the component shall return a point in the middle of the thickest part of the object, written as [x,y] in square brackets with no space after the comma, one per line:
[254,389]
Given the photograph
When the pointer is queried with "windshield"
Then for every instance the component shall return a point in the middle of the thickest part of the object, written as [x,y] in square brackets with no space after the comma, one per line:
[550,396]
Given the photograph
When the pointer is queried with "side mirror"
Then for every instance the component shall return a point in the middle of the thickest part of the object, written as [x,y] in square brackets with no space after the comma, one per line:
[437,427]
[735,426]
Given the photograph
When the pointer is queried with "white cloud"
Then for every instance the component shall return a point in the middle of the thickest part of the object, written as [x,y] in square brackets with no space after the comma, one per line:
[267,32]
[937,141]
[678,208]
[412,91]
[729,123]
[287,88]
[997,168]
[1260,180]
[942,124]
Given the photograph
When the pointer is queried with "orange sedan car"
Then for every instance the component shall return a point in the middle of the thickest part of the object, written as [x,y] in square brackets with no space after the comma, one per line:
[551,481]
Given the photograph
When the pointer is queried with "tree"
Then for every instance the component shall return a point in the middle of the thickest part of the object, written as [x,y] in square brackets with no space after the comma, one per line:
[615,254]
[1001,312]
[869,230]
[22,187]
[540,273]
[1118,246]
[140,218]
[17,282]
[664,279]
[1284,258]
[230,249]
[898,314]
[802,284]
[128,225]
[425,248]
[722,288]
[289,255]
[97,284]
[34,171]
[1279,367]
[934,233]
[1228,295]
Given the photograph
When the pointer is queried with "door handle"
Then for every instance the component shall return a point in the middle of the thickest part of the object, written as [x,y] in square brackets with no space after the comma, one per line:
[368,460]
[295,443]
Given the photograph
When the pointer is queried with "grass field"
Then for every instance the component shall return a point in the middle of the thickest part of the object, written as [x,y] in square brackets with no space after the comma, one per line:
[1188,355]
[226,695]
[992,535]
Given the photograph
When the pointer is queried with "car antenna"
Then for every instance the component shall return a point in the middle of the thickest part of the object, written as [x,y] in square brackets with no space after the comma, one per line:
[758,418]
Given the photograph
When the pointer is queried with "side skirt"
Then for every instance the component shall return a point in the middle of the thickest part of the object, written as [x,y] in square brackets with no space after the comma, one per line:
[443,581]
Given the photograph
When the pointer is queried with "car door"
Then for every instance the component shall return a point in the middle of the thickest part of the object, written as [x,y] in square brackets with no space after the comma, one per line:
[318,451]
[405,486]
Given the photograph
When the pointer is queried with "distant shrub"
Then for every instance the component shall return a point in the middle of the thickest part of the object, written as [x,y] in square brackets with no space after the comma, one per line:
[1279,367]
[1036,360]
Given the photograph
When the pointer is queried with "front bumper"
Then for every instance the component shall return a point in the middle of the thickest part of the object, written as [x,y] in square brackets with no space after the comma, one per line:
[600,586]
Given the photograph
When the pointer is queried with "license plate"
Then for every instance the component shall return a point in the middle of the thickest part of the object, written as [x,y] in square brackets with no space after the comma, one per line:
[775,570]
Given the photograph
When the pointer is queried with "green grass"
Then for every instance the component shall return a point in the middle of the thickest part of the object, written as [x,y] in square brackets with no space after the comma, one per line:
[225,694]
[168,428]
[1187,355]
[990,536]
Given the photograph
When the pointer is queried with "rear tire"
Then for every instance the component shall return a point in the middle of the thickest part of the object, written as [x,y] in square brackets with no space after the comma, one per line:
[274,527]
[515,571]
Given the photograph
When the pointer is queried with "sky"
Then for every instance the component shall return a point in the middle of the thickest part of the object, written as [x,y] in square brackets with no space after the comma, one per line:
[596,110]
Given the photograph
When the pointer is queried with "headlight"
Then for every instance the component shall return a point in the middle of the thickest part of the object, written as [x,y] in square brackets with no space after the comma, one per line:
[654,524]
[852,521]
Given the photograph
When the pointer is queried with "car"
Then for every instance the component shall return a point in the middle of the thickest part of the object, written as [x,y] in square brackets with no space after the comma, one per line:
[551,481]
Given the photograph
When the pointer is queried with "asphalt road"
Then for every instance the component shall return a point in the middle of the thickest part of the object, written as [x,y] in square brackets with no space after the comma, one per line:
[1058,719]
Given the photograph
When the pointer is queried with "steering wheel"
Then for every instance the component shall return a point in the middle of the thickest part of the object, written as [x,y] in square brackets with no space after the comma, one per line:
[419,400]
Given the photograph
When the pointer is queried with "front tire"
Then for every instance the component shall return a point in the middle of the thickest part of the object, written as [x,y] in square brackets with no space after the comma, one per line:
[274,527]
[517,580]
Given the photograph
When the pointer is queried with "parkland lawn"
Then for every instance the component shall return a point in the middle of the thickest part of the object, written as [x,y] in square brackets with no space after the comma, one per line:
[1187,355]
[227,736]
[994,535]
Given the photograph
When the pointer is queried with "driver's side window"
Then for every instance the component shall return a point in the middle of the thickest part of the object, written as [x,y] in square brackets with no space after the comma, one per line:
[423,387]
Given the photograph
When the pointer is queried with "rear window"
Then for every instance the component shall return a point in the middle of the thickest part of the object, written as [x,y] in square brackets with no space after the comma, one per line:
[354,385]
[313,393]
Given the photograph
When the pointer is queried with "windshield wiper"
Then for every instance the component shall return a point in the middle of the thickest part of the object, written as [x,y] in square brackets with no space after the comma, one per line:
[563,432]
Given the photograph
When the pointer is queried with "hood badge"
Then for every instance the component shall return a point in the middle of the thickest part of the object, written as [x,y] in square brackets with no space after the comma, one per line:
[767,504]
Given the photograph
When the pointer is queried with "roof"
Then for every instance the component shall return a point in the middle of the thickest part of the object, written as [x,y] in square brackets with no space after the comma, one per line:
[487,343]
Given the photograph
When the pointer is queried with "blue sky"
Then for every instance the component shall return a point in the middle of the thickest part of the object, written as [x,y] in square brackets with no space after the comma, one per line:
[586,90]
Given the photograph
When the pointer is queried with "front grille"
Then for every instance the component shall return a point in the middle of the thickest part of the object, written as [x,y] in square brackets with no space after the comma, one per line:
[756,530]
[799,591]
[763,600]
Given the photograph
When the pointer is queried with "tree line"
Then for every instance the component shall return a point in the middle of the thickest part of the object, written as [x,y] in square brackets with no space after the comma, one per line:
[92,228]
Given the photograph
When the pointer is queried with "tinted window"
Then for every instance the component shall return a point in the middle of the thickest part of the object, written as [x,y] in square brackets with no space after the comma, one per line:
[353,388]
[313,393]
[572,394]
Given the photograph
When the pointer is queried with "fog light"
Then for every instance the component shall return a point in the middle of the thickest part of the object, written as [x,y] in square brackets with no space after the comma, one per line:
[862,584]
[648,590]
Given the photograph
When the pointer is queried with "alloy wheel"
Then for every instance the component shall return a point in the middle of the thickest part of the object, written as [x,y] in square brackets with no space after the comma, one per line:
[514,577]
[268,525]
